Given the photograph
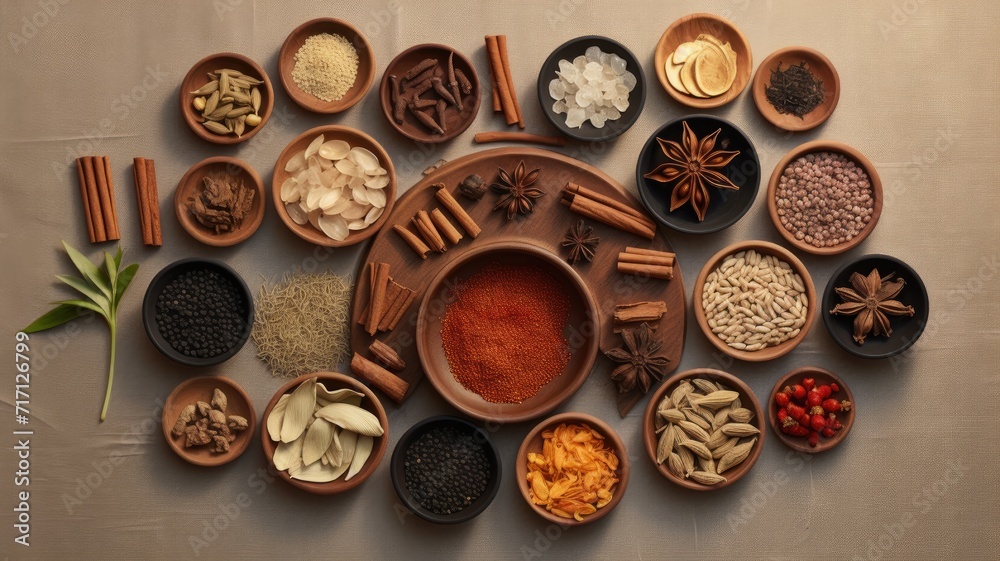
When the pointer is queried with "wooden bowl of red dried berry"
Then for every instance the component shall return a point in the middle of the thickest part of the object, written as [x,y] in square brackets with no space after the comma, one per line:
[811,409]
[824,197]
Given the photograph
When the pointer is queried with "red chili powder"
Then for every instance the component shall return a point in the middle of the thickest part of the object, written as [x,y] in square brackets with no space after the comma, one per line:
[503,334]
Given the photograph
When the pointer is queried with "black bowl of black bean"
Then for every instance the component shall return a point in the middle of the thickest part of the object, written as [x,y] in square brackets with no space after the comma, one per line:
[446,470]
[197,312]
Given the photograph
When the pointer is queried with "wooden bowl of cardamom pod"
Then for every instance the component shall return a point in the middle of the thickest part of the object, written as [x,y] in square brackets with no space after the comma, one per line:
[703,429]
[226,98]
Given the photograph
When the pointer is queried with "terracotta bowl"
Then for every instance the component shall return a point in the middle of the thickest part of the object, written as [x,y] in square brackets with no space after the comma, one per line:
[191,185]
[581,325]
[366,64]
[905,330]
[398,474]
[688,28]
[764,248]
[822,376]
[824,146]
[819,65]
[533,443]
[201,388]
[651,422]
[332,381]
[353,137]
[198,77]
[455,121]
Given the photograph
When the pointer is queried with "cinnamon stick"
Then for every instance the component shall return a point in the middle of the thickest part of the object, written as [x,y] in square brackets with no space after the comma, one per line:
[410,296]
[639,311]
[430,234]
[445,226]
[111,196]
[494,92]
[86,201]
[153,198]
[527,137]
[661,260]
[502,45]
[651,271]
[413,240]
[607,215]
[379,273]
[613,203]
[104,198]
[503,87]
[455,208]
[97,217]
[390,384]
[395,296]
[142,197]
[646,251]
[386,355]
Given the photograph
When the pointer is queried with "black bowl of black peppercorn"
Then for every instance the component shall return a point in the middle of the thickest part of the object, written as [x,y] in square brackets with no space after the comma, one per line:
[446,470]
[197,312]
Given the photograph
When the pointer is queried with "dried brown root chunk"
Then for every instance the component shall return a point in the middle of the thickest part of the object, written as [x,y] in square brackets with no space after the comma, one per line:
[221,444]
[217,417]
[187,415]
[195,435]
[203,408]
[219,400]
[237,423]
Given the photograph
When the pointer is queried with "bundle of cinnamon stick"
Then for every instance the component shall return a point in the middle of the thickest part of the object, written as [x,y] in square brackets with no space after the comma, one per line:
[501,82]
[628,316]
[608,211]
[646,263]
[148,200]
[387,300]
[98,193]
[433,229]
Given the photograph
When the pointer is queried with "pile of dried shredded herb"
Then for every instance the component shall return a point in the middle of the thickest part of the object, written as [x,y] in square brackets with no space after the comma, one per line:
[795,90]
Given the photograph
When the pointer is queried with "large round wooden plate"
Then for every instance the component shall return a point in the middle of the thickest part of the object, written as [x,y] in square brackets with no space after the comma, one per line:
[544,228]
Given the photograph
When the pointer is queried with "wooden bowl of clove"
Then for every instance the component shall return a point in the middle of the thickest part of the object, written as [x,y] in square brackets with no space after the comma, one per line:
[430,93]
[220,201]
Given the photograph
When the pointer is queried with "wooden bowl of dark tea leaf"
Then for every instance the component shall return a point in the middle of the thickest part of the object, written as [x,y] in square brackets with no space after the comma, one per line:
[456,120]
[202,388]
[816,84]
[198,77]
[580,331]
[821,377]
[572,50]
[653,426]
[226,171]
[905,329]
[725,206]
[331,26]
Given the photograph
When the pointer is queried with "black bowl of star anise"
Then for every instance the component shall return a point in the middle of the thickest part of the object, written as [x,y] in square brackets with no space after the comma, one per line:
[698,174]
[875,306]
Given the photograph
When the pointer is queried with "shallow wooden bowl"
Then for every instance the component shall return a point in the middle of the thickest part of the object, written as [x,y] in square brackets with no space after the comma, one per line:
[332,381]
[764,248]
[688,28]
[191,185]
[456,122]
[201,388]
[198,77]
[533,443]
[333,26]
[824,146]
[819,65]
[650,424]
[353,137]
[822,376]
[581,323]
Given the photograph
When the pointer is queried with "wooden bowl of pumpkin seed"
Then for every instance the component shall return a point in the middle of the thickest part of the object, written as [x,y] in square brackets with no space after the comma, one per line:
[226,98]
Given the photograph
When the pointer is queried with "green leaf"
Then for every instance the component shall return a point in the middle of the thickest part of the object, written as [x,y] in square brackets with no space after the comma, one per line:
[124,279]
[87,290]
[109,263]
[54,318]
[88,270]
[89,306]
[118,259]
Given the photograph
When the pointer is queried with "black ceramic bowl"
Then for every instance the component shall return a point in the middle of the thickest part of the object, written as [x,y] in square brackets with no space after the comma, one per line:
[726,206]
[171,272]
[577,47]
[905,330]
[399,482]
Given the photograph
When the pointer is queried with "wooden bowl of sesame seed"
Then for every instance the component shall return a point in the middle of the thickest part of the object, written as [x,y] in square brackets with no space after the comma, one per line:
[329,51]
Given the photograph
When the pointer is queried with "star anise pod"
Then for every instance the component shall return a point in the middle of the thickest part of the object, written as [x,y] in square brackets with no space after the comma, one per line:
[641,365]
[581,241]
[516,191]
[692,166]
[871,300]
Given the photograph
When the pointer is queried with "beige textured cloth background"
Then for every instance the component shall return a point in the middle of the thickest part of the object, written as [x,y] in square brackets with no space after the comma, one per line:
[916,479]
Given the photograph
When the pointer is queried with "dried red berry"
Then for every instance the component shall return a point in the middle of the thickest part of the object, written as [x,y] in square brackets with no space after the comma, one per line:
[805,419]
[813,398]
[834,387]
[817,422]
[782,415]
[825,390]
[828,432]
[795,430]
[814,439]
[808,383]
[798,392]
[795,410]
[782,399]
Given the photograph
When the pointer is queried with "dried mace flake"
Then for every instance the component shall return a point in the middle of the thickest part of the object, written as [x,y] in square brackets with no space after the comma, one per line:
[641,364]
[516,191]
[872,302]
[581,242]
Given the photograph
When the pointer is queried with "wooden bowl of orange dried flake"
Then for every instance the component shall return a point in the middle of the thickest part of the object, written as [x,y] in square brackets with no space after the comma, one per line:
[572,493]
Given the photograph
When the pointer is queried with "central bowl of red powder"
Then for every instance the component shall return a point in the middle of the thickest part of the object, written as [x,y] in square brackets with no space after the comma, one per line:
[507,332]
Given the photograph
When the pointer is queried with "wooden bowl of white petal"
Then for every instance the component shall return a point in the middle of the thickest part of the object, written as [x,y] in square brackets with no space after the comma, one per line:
[334,186]
[324,433]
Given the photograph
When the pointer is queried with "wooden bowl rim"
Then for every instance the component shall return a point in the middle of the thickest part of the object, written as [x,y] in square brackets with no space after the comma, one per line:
[609,434]
[825,146]
[306,231]
[650,439]
[308,101]
[228,139]
[202,234]
[659,58]
[767,353]
[243,439]
[801,444]
[793,124]
[338,485]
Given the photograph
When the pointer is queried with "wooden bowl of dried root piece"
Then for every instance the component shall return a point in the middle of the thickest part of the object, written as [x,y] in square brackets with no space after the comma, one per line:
[704,429]
[209,420]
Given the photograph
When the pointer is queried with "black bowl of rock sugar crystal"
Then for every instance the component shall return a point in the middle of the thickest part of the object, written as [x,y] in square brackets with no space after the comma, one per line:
[197,312]
[446,470]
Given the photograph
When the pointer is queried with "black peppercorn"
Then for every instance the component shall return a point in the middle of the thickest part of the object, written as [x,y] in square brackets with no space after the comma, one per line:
[446,470]
[200,314]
